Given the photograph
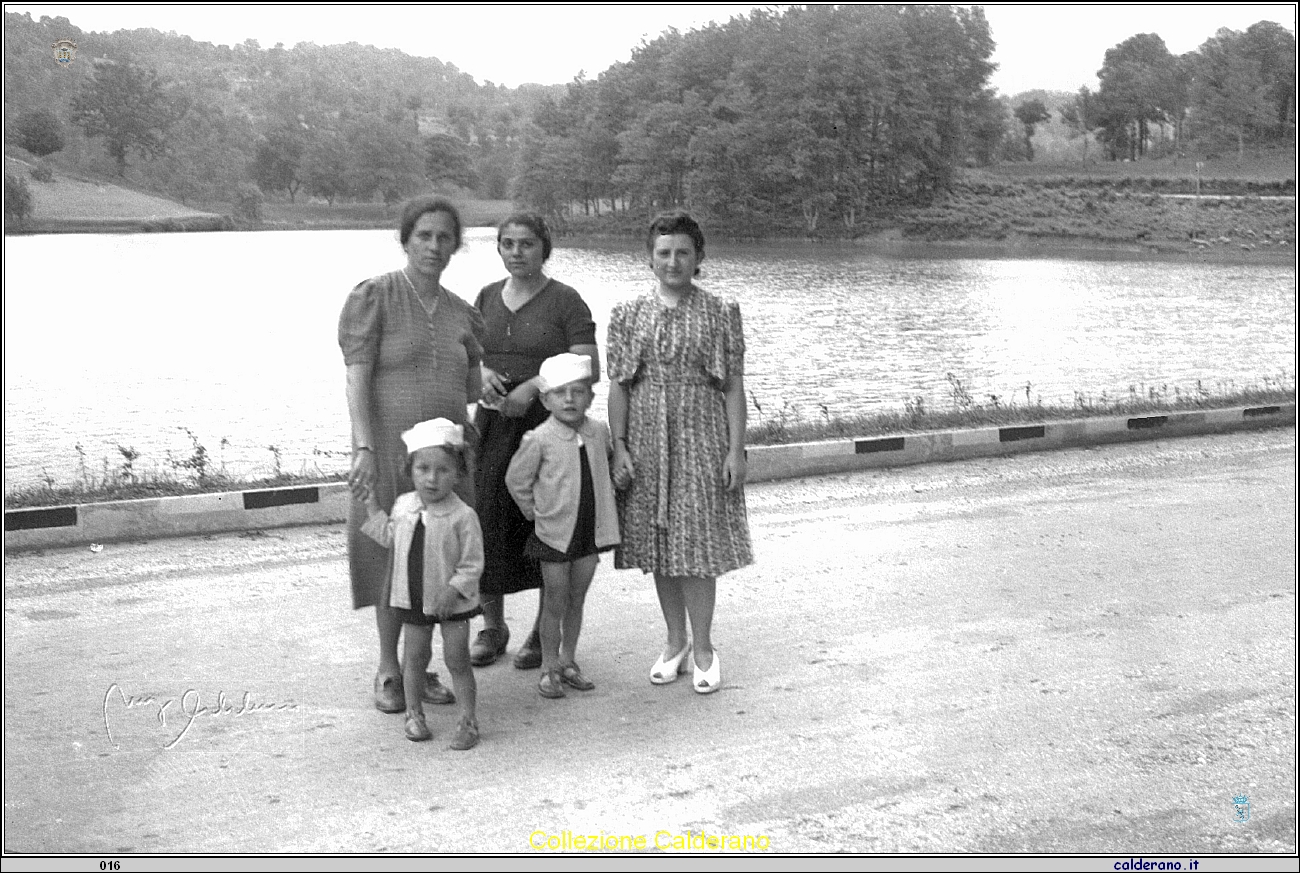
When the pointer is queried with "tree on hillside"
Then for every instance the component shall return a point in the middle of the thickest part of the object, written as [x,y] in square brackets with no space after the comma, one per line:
[1139,86]
[538,180]
[1272,48]
[383,158]
[1080,114]
[414,103]
[325,166]
[39,132]
[130,106]
[447,159]
[206,155]
[278,160]
[1230,89]
[989,122]
[1031,113]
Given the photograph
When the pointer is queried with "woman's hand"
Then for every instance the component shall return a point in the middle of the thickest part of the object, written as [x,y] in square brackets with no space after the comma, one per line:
[516,403]
[733,470]
[361,478]
[493,389]
[623,471]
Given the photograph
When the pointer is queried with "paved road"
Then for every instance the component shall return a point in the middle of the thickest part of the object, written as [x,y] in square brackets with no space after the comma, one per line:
[1089,650]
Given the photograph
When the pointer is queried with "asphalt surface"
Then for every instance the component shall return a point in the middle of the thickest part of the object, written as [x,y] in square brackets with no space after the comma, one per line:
[1090,650]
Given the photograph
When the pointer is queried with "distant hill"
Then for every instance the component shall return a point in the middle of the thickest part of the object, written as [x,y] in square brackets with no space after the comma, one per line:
[237,96]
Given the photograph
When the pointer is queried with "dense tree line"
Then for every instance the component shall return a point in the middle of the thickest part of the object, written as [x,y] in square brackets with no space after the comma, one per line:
[1237,88]
[811,120]
[803,118]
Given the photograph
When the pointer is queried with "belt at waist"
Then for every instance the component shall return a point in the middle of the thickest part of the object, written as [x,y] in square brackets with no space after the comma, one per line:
[701,379]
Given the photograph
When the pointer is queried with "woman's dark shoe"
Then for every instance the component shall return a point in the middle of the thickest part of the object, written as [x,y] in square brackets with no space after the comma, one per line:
[435,691]
[489,645]
[529,656]
[388,694]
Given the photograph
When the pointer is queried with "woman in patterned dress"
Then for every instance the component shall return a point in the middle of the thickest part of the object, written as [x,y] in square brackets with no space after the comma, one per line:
[412,352]
[677,415]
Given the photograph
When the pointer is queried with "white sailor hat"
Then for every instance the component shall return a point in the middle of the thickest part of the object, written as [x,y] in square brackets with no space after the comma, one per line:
[436,432]
[562,369]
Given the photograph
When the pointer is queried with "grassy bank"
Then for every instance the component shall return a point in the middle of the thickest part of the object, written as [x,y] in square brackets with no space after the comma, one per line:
[198,474]
[995,210]
[71,203]
[1147,206]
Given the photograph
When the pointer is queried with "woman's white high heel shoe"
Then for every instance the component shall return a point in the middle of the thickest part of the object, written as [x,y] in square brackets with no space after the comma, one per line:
[667,671]
[708,681]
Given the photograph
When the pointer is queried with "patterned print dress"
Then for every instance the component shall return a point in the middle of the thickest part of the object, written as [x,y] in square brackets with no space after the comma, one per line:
[677,518]
[421,364]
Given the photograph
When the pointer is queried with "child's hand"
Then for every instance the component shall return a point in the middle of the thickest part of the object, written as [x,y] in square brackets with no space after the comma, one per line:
[361,478]
[371,500]
[446,602]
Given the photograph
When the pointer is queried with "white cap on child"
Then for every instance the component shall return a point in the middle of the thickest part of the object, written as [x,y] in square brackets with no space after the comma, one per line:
[436,432]
[562,369]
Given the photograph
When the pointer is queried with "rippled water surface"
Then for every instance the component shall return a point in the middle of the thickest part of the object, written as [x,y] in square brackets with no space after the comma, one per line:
[127,340]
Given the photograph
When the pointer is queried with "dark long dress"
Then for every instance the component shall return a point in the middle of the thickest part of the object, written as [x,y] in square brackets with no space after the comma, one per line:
[515,343]
[421,367]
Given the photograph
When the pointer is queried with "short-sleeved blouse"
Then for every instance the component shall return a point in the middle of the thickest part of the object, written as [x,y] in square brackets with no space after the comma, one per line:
[515,342]
[421,365]
[677,517]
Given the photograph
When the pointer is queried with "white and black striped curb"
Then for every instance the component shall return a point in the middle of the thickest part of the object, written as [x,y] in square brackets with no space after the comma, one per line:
[51,527]
[811,459]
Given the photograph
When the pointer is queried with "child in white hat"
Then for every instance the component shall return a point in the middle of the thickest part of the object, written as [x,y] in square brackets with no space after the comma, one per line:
[560,479]
[437,559]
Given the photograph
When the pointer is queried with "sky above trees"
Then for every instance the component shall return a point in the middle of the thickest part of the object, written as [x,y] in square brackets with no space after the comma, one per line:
[1052,47]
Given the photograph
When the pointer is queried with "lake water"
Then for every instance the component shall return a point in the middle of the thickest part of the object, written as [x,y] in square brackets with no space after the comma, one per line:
[131,339]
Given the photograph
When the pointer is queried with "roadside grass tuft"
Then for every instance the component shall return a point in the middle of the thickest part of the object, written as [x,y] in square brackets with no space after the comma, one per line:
[196,473]
[973,410]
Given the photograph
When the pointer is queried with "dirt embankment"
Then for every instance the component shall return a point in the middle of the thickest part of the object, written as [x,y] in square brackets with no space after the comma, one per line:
[1236,226]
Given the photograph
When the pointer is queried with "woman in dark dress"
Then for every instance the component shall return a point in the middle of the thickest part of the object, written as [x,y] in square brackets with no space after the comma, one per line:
[528,317]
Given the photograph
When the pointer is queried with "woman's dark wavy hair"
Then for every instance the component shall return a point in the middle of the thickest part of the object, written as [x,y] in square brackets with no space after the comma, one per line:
[669,223]
[533,222]
[417,206]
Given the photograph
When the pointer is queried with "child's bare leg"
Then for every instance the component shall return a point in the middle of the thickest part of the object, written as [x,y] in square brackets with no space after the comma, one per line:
[455,653]
[555,603]
[416,655]
[390,628]
[581,572]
